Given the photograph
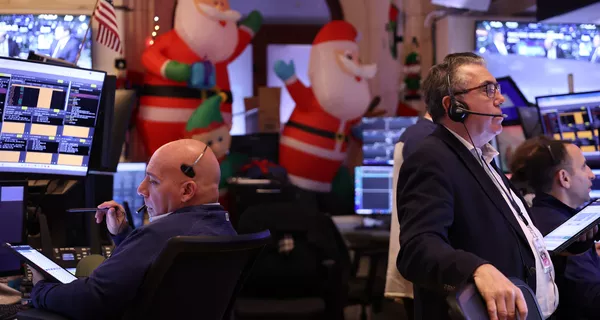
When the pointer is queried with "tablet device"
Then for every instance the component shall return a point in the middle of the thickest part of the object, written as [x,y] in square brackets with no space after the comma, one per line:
[568,232]
[41,263]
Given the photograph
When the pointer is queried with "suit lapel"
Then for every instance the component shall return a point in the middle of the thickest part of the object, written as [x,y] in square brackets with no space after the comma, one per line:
[484,180]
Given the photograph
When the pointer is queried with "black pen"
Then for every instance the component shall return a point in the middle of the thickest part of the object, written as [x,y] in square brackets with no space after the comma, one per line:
[141,209]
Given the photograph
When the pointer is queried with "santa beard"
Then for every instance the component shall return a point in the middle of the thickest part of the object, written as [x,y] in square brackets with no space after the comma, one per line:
[338,92]
[206,37]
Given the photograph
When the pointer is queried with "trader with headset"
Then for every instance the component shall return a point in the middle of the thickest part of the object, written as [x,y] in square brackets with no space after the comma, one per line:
[181,188]
[461,219]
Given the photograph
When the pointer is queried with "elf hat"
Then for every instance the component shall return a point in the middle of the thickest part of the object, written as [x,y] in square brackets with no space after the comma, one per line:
[207,116]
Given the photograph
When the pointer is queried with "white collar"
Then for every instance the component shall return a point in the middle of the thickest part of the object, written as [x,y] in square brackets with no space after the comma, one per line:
[487,151]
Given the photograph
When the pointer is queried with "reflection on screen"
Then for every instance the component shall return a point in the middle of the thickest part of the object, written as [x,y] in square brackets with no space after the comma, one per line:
[48,265]
[572,226]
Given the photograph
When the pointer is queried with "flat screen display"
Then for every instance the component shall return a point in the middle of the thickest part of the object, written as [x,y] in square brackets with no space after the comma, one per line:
[560,237]
[58,36]
[575,41]
[47,117]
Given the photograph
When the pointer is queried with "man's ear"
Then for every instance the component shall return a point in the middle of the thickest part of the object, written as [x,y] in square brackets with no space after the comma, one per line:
[446,101]
[188,190]
[564,179]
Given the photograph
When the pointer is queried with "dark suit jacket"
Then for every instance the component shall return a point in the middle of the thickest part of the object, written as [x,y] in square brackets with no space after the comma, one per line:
[13,48]
[453,220]
[69,52]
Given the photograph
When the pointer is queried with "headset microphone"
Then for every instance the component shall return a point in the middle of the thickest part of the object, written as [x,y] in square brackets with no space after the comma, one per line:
[495,115]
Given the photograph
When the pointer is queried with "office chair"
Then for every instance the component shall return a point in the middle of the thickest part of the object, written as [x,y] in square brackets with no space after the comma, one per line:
[192,277]
[467,303]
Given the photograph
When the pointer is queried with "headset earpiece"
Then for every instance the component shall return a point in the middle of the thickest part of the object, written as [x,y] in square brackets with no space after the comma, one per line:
[455,109]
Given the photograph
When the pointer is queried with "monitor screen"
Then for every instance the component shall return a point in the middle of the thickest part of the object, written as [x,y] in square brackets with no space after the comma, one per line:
[508,140]
[574,41]
[12,217]
[47,117]
[530,121]
[373,189]
[380,135]
[58,36]
[595,193]
[513,99]
[573,117]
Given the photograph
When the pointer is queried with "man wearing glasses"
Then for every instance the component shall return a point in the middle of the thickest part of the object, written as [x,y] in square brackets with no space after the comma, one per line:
[461,219]
[181,191]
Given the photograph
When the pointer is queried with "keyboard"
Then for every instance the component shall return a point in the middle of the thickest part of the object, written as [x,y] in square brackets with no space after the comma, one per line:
[9,311]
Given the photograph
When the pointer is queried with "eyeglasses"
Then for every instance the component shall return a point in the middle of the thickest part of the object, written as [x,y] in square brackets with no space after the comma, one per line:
[189,170]
[490,89]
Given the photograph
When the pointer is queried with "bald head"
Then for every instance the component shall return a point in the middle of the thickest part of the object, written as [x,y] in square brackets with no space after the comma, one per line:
[167,188]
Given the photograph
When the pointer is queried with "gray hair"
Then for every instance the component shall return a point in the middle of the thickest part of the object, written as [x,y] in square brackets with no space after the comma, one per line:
[435,85]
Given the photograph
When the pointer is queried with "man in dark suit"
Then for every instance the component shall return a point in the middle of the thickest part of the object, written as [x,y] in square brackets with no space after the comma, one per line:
[8,47]
[461,219]
[553,50]
[64,46]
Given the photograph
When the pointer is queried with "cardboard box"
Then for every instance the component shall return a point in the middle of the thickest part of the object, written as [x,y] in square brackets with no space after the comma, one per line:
[251,116]
[268,110]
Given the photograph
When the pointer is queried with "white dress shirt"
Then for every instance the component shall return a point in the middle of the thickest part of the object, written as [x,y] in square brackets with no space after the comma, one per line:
[546,291]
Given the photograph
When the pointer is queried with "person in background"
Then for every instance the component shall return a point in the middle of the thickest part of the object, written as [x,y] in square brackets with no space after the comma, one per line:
[178,203]
[553,50]
[8,47]
[498,46]
[461,219]
[396,287]
[595,57]
[64,46]
[558,173]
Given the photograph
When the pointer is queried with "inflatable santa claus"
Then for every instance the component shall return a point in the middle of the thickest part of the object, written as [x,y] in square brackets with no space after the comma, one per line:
[314,140]
[188,65]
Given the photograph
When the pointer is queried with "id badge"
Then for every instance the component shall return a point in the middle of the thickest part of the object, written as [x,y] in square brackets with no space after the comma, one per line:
[543,253]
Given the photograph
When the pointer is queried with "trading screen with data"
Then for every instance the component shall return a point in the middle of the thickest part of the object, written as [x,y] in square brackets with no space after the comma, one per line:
[573,117]
[47,117]
[380,136]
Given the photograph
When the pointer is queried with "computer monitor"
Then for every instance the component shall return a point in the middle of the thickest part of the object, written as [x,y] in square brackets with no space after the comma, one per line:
[380,135]
[125,102]
[573,117]
[507,142]
[126,181]
[513,99]
[530,121]
[100,153]
[48,117]
[373,189]
[257,146]
[12,222]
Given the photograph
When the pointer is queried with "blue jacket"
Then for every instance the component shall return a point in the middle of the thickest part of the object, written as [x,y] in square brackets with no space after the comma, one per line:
[577,277]
[114,284]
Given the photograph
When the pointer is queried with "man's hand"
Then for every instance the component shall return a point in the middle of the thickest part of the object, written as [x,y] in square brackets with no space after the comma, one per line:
[597,248]
[589,235]
[115,216]
[36,275]
[503,299]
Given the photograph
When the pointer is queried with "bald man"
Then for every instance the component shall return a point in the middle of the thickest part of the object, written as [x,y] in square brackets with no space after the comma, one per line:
[180,190]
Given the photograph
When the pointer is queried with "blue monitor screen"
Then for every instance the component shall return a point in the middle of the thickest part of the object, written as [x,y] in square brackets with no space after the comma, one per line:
[373,189]
[47,117]
[513,99]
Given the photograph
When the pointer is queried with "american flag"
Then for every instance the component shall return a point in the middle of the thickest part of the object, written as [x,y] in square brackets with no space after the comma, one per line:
[108,30]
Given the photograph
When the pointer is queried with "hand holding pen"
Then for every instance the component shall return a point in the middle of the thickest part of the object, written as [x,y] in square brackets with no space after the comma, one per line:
[116,220]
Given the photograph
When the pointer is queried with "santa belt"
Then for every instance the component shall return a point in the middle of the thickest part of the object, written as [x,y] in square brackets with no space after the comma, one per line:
[183,92]
[319,132]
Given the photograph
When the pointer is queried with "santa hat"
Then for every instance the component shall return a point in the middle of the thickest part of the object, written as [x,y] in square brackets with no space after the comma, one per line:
[336,30]
[207,116]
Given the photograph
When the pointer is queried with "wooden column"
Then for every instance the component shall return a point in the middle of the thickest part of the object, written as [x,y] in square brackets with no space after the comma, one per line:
[138,25]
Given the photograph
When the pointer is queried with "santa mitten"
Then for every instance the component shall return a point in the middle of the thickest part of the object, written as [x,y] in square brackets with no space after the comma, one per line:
[203,75]
[284,71]
[253,21]
[177,71]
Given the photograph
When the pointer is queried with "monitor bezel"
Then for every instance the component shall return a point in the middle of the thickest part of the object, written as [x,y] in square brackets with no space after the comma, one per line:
[38,175]
[24,184]
[521,95]
[91,33]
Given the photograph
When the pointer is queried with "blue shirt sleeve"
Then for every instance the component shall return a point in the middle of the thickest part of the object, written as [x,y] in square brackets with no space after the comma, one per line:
[106,293]
[584,281]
